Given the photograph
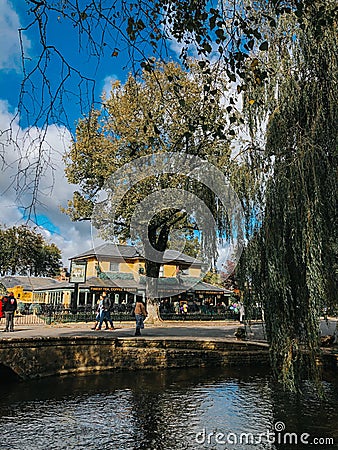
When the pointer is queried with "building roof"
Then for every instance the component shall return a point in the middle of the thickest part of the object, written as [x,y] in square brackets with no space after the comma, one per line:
[168,285]
[28,283]
[110,251]
[92,283]
[130,252]
[173,284]
[174,255]
[60,285]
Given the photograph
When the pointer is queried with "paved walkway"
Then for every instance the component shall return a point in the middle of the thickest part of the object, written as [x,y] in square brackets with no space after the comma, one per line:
[173,330]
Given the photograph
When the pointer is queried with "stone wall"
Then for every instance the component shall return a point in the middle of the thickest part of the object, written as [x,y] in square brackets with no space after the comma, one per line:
[41,357]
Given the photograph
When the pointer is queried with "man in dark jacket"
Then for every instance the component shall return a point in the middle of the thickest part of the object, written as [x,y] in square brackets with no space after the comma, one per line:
[9,307]
[105,306]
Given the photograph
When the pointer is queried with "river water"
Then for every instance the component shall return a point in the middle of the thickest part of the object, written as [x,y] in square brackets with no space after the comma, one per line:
[168,410]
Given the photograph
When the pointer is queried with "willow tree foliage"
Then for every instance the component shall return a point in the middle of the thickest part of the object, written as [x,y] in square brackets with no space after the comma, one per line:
[291,261]
[166,111]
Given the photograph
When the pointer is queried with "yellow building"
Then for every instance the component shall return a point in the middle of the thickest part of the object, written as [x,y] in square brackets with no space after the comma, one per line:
[25,288]
[120,271]
[111,258]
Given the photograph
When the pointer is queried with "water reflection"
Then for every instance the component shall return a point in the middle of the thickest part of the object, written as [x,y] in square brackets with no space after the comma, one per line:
[176,409]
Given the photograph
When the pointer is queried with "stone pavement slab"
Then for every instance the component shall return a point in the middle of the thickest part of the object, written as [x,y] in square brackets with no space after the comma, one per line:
[169,329]
[176,330]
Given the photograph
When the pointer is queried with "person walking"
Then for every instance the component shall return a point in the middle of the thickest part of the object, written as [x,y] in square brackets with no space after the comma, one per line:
[105,305]
[99,309]
[140,315]
[241,312]
[9,307]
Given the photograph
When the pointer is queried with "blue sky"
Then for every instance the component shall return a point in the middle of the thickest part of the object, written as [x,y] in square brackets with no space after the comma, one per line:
[72,238]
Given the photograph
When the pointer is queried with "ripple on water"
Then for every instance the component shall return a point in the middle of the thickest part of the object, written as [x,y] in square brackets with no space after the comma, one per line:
[155,410]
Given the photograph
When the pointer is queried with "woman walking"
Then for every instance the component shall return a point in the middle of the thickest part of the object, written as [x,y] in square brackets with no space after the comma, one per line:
[140,315]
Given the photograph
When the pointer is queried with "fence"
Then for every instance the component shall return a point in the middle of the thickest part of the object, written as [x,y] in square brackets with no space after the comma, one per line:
[48,314]
[66,316]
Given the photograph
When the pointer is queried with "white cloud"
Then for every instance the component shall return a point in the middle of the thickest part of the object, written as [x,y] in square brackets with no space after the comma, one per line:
[9,38]
[107,84]
[54,190]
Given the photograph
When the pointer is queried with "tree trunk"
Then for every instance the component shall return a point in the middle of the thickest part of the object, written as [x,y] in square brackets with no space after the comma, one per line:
[158,234]
[152,272]
[153,311]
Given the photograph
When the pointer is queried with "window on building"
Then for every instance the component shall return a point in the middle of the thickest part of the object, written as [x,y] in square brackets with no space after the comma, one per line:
[114,266]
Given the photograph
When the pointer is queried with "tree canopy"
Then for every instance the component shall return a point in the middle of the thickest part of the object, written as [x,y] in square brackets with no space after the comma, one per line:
[132,34]
[144,31]
[23,251]
[167,111]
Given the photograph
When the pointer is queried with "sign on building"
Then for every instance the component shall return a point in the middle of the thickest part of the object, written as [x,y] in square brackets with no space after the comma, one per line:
[78,272]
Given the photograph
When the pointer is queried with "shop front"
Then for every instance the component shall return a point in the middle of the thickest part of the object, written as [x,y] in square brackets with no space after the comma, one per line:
[121,292]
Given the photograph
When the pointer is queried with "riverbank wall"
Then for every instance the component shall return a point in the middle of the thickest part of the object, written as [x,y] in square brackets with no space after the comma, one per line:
[47,356]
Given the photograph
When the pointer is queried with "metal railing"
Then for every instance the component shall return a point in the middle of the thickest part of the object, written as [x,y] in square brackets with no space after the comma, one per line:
[47,314]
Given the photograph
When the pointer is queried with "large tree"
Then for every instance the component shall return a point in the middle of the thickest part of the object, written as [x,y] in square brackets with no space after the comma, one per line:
[24,251]
[168,112]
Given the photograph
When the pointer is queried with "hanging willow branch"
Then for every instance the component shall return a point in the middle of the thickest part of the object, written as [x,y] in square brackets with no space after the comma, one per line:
[295,249]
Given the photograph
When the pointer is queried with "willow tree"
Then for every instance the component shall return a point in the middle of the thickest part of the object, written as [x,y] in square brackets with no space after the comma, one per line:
[168,112]
[290,263]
